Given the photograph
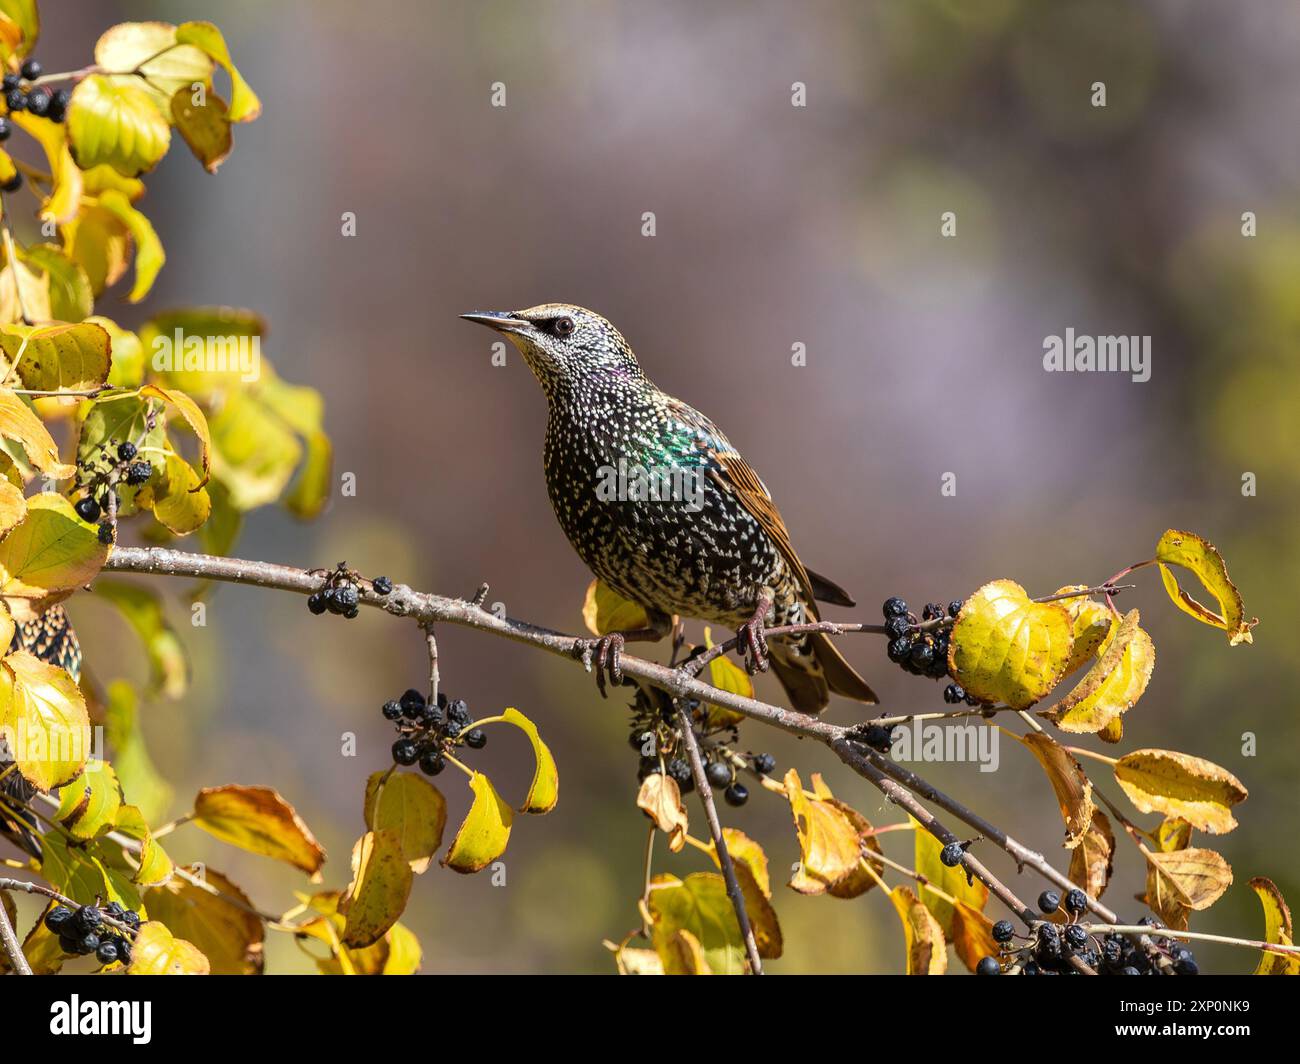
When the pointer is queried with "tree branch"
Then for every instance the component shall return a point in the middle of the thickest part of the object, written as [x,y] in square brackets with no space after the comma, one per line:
[11,944]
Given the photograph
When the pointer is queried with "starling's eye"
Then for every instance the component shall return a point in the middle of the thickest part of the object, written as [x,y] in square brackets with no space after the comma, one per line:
[563,326]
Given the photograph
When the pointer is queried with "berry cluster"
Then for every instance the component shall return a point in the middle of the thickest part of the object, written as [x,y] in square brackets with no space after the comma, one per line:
[656,724]
[920,646]
[84,930]
[38,100]
[1047,951]
[341,594]
[115,463]
[427,730]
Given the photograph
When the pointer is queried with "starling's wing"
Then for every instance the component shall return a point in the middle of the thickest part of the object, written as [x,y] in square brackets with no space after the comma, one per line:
[733,474]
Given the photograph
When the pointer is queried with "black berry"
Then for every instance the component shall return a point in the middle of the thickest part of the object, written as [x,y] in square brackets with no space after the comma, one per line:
[1076,901]
[382,585]
[432,764]
[38,101]
[899,649]
[345,597]
[954,607]
[1185,965]
[392,710]
[59,105]
[16,100]
[106,952]
[57,918]
[31,69]
[1003,931]
[406,752]
[476,739]
[138,472]
[126,451]
[87,509]
[954,693]
[317,603]
[11,82]
[764,763]
[412,703]
[895,607]
[718,773]
[1076,936]
[1049,901]
[87,918]
[921,656]
[737,794]
[1129,970]
[951,854]
[679,770]
[5,129]
[896,626]
[988,966]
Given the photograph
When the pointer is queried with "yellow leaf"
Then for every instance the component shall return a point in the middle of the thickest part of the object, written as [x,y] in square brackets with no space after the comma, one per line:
[258,820]
[381,885]
[412,808]
[114,122]
[605,610]
[485,831]
[149,254]
[65,195]
[697,906]
[1072,786]
[13,507]
[205,127]
[750,863]
[35,289]
[1007,648]
[1113,685]
[832,837]
[25,23]
[43,720]
[1092,861]
[1198,791]
[954,881]
[244,104]
[89,804]
[220,924]
[1200,556]
[1191,879]
[1277,929]
[19,424]
[152,48]
[972,934]
[127,369]
[1173,833]
[1091,620]
[157,952]
[51,551]
[544,791]
[193,416]
[661,800]
[100,244]
[176,496]
[632,961]
[71,297]
[927,953]
[58,357]
[155,867]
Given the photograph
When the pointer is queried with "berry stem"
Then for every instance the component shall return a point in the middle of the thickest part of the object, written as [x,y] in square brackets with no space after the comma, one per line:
[1197,936]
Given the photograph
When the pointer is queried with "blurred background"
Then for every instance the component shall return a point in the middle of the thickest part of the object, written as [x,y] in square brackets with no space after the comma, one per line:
[776,225]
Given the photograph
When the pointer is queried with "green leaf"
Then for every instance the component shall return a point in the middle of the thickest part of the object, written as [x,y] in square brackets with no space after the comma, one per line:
[81,872]
[71,298]
[127,370]
[43,720]
[244,104]
[699,906]
[254,452]
[89,804]
[485,831]
[114,122]
[149,254]
[1200,556]
[381,885]
[258,820]
[204,339]
[193,416]
[205,128]
[143,611]
[412,808]
[51,551]
[151,49]
[1007,648]
[140,779]
[58,357]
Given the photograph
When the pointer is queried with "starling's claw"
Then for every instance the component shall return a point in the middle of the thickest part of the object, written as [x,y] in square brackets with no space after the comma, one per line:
[608,653]
[753,645]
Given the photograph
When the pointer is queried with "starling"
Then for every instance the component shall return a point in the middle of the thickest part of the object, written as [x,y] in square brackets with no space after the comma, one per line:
[50,637]
[664,510]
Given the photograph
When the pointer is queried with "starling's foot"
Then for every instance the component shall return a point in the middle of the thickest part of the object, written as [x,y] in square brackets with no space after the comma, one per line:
[607,652]
[751,637]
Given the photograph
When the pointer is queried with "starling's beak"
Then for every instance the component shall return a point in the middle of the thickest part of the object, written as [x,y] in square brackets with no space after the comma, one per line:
[500,320]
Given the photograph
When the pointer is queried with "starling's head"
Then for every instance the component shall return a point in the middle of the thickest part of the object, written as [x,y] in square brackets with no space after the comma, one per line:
[563,343]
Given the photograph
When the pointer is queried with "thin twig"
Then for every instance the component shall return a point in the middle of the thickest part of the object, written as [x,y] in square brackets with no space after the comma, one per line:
[719,843]
[11,944]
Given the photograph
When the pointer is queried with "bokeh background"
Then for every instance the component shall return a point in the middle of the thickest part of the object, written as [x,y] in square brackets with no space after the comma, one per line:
[775,225]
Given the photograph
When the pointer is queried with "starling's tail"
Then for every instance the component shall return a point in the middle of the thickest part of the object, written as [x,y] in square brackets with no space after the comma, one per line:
[51,638]
[811,668]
